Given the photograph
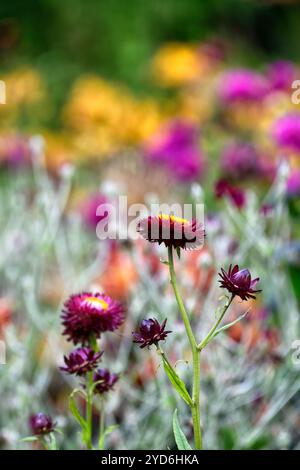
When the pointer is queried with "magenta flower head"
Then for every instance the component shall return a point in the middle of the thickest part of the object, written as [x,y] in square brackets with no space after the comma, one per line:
[281,75]
[150,332]
[87,314]
[90,207]
[242,85]
[176,147]
[172,231]
[81,360]
[41,424]
[239,282]
[104,380]
[286,131]
[293,184]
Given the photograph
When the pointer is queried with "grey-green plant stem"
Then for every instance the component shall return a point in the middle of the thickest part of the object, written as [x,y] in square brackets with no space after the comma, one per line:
[101,425]
[89,410]
[210,334]
[195,408]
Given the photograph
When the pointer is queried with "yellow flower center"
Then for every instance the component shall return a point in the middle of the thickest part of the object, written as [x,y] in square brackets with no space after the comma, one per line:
[96,302]
[173,218]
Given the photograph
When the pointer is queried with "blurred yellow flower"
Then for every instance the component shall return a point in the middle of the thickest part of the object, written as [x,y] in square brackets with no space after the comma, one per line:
[176,64]
[106,117]
[23,86]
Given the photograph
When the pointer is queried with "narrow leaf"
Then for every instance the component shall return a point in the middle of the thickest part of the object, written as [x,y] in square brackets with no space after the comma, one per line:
[177,383]
[29,439]
[107,431]
[75,412]
[180,439]
[228,325]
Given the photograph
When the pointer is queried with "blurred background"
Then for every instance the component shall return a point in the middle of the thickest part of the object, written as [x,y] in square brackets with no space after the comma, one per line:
[162,102]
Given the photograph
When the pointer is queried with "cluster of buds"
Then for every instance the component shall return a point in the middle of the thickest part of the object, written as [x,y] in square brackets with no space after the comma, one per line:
[85,317]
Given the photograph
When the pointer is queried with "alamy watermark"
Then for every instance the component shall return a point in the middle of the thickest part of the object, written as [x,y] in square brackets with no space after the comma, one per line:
[2,92]
[120,220]
[296,94]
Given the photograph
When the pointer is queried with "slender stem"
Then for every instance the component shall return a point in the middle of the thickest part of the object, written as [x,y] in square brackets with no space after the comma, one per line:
[195,353]
[179,300]
[196,400]
[210,334]
[89,409]
[102,425]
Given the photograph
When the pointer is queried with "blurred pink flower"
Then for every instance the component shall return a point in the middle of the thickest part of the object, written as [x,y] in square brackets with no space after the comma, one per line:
[176,147]
[286,131]
[89,208]
[240,160]
[293,184]
[14,151]
[242,85]
[281,74]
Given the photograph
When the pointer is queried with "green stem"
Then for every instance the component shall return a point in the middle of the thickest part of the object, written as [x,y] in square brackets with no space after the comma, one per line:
[102,426]
[89,410]
[195,354]
[210,334]
[179,300]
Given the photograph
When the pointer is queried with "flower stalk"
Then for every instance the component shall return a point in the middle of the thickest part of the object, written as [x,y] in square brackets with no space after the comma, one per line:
[89,410]
[195,407]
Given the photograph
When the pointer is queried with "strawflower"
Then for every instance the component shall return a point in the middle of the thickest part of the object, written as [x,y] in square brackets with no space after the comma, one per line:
[104,380]
[172,231]
[239,282]
[150,332]
[41,424]
[90,314]
[81,360]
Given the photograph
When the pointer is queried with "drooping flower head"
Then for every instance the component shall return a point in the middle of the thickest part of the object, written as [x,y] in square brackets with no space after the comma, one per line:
[176,147]
[81,360]
[239,282]
[286,131]
[88,314]
[104,380]
[172,231]
[236,195]
[242,85]
[150,332]
[41,424]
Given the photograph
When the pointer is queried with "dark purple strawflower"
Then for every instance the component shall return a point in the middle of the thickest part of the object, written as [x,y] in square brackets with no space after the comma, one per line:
[172,231]
[242,85]
[176,147]
[286,131]
[239,282]
[104,380]
[151,332]
[88,314]
[236,195]
[81,360]
[41,424]
[240,160]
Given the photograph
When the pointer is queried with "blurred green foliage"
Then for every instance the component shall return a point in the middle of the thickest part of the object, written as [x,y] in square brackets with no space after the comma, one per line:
[116,38]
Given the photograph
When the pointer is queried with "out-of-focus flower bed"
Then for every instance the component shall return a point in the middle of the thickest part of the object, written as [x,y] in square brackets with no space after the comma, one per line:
[224,136]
